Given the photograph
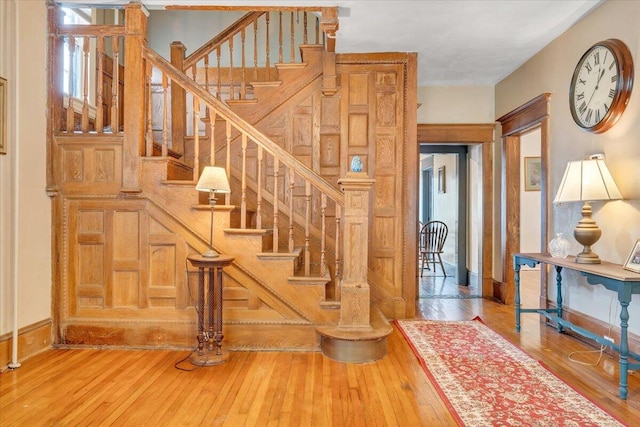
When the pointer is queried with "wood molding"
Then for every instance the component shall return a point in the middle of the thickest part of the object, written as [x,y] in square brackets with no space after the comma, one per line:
[525,116]
[472,133]
[521,120]
[32,339]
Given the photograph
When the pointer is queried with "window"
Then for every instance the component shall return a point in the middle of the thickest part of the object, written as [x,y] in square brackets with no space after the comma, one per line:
[73,55]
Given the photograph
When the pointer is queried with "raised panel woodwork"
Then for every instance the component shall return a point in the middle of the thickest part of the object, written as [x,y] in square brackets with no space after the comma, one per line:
[89,164]
[358,130]
[72,165]
[385,152]
[125,236]
[90,281]
[358,88]
[90,222]
[374,126]
[385,192]
[125,289]
[330,152]
[330,112]
[386,109]
[105,165]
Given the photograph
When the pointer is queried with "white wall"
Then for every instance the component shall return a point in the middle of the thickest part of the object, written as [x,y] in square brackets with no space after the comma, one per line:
[529,200]
[456,104]
[445,205]
[551,71]
[25,209]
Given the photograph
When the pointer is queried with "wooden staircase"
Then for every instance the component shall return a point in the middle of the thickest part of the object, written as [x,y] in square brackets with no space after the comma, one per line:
[282,224]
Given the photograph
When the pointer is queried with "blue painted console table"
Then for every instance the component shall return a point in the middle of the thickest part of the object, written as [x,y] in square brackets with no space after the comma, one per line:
[611,276]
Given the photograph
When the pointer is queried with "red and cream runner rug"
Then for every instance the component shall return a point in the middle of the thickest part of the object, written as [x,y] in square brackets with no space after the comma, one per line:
[487,381]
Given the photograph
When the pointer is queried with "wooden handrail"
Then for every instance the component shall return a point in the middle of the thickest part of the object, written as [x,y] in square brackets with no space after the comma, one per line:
[91,30]
[228,32]
[244,127]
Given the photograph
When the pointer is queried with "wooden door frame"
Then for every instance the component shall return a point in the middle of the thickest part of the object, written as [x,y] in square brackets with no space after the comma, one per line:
[471,134]
[523,119]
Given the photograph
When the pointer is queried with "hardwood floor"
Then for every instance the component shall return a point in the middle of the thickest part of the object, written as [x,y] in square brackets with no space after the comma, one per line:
[135,388]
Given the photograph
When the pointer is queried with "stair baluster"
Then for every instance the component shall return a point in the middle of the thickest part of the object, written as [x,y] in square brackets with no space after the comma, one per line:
[243,197]
[259,190]
[292,178]
[267,59]
[292,55]
[71,43]
[85,86]
[100,86]
[115,86]
[165,115]
[280,42]
[307,229]
[276,179]
[149,141]
[243,81]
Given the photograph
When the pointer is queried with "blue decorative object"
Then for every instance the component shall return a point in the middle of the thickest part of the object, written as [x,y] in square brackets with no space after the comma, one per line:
[356,164]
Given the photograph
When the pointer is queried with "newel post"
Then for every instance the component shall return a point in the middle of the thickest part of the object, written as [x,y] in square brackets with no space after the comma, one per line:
[178,100]
[134,85]
[329,25]
[354,288]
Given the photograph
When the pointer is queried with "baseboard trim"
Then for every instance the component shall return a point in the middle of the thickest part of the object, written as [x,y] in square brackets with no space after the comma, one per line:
[32,339]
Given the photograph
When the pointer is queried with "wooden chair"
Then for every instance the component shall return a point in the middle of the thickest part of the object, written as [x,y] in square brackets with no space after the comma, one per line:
[432,237]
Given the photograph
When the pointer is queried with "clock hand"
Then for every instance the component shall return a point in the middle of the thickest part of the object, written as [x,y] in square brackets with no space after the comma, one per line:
[597,84]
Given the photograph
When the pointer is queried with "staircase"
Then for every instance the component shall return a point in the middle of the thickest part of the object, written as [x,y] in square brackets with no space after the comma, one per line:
[283,222]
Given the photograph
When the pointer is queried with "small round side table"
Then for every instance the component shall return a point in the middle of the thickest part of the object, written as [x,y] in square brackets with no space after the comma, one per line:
[212,353]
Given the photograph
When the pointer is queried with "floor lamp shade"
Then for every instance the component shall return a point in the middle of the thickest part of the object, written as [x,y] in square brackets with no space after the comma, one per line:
[587,181]
[214,180]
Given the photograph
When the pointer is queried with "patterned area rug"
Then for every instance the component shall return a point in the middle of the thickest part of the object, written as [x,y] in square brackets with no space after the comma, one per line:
[487,381]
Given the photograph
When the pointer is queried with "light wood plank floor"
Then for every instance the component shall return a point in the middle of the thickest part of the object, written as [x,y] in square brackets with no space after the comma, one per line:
[136,388]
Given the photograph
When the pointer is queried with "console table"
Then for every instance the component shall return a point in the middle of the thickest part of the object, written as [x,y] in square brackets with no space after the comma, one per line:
[612,276]
[212,353]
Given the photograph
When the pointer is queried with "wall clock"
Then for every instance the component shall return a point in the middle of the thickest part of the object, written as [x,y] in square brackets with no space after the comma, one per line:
[601,85]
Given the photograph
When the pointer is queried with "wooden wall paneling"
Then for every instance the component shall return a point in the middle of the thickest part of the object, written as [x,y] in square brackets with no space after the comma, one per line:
[330,146]
[374,116]
[89,164]
[126,259]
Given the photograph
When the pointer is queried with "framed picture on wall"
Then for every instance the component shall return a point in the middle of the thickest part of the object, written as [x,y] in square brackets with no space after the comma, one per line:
[532,173]
[3,116]
[633,260]
[442,180]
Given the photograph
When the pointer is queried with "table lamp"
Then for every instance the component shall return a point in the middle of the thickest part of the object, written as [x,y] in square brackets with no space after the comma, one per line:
[586,181]
[214,180]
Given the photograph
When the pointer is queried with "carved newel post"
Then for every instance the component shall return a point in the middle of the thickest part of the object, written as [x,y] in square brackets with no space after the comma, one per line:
[354,289]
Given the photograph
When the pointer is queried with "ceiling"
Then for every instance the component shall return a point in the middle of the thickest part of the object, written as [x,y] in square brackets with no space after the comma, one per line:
[459,42]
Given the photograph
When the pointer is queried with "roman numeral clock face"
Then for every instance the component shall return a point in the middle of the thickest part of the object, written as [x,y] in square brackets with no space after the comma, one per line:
[601,85]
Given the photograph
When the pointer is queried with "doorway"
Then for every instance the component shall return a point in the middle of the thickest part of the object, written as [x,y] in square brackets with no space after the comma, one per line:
[515,124]
[478,246]
[445,169]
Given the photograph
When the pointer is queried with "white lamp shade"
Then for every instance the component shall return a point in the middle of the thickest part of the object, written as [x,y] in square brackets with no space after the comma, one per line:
[213,179]
[587,180]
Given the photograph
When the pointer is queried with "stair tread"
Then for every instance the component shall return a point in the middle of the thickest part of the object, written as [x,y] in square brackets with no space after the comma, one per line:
[291,65]
[242,101]
[269,83]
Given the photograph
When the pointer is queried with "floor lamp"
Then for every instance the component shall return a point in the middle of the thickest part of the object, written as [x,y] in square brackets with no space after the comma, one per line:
[214,180]
[586,181]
